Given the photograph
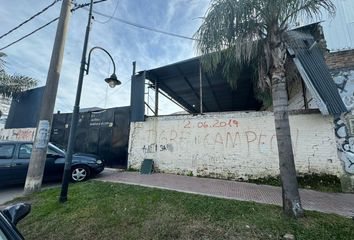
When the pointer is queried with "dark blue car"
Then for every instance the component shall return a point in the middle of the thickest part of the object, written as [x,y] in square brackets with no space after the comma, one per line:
[15,156]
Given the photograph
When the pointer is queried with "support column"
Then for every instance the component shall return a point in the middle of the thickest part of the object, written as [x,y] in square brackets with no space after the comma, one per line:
[200,88]
[137,103]
[156,98]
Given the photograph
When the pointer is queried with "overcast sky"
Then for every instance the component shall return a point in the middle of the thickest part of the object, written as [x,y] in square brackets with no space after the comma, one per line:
[126,44]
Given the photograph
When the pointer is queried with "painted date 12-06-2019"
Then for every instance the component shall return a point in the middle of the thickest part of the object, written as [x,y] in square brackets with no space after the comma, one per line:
[211,124]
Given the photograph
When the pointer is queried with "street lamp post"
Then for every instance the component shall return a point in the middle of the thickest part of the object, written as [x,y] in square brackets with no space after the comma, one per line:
[112,81]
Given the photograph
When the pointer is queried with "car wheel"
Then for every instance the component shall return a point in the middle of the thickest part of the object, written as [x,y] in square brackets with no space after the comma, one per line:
[80,173]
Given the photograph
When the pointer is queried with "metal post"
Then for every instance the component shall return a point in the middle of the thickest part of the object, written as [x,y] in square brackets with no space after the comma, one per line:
[39,151]
[201,88]
[306,105]
[134,68]
[74,119]
[156,98]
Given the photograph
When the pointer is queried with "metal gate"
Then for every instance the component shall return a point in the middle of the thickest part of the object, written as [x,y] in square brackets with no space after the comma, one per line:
[104,133]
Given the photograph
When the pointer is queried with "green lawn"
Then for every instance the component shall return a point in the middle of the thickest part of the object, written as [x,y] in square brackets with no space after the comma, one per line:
[98,210]
[318,182]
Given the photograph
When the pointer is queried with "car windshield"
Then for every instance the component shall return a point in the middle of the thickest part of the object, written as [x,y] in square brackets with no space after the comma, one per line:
[57,149]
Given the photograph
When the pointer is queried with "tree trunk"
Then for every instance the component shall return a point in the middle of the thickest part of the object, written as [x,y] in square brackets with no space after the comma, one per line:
[290,192]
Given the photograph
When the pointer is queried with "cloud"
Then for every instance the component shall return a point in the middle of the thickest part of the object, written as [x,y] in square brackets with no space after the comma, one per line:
[125,43]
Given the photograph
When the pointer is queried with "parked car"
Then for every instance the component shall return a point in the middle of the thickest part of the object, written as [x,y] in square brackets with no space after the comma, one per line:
[15,156]
[9,217]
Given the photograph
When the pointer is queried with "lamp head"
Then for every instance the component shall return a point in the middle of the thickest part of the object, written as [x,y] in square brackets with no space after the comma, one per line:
[112,81]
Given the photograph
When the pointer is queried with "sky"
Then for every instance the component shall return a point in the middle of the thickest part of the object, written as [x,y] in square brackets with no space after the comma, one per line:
[125,43]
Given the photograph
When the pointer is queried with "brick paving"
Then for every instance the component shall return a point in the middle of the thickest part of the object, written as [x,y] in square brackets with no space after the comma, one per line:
[338,203]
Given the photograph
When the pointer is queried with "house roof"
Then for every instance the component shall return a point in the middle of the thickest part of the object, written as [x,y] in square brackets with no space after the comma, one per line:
[181,81]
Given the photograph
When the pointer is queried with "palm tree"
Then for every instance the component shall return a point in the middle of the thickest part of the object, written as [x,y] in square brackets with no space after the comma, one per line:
[240,32]
[2,61]
[10,84]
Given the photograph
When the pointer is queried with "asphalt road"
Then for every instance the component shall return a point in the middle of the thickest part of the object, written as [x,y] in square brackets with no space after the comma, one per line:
[9,193]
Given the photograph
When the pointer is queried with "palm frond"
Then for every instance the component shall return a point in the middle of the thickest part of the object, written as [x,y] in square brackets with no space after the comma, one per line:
[10,84]
[308,9]
[229,36]
[2,61]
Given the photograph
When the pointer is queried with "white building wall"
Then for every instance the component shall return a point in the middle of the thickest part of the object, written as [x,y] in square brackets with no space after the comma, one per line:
[232,145]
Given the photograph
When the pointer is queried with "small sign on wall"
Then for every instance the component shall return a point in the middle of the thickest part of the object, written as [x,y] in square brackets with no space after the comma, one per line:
[43,133]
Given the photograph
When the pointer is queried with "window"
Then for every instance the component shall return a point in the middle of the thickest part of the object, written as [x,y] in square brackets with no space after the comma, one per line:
[6,151]
[51,151]
[25,151]
[2,235]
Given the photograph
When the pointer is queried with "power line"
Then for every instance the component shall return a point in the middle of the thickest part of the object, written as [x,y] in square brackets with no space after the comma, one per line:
[29,19]
[77,6]
[47,24]
[105,15]
[144,27]
[110,18]
[29,34]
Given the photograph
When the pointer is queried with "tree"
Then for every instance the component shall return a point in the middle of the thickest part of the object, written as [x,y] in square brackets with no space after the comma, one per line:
[10,84]
[2,61]
[239,32]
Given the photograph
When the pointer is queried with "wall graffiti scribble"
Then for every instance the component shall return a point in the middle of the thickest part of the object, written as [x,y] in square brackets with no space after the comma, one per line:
[345,84]
[233,145]
[17,134]
[345,145]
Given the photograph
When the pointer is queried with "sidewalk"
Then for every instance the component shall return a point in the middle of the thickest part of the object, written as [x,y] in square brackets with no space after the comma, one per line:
[338,203]
[9,193]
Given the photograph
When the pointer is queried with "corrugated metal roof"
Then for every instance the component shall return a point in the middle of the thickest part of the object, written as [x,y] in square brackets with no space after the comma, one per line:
[314,69]
[338,30]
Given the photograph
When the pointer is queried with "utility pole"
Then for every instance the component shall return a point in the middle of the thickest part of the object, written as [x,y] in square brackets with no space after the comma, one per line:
[74,120]
[39,150]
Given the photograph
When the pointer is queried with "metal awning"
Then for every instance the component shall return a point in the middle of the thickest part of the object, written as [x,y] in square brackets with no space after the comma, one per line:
[183,81]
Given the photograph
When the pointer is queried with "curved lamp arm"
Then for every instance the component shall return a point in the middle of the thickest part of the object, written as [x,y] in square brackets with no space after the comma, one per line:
[89,59]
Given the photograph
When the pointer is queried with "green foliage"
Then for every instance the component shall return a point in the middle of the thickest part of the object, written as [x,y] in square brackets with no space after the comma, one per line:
[319,182]
[2,61]
[10,84]
[98,210]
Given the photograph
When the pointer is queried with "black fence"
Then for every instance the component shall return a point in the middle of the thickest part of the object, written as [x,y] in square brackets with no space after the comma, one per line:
[104,133]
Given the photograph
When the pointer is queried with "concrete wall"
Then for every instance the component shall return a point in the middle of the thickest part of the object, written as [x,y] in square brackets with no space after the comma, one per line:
[232,145]
[17,134]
